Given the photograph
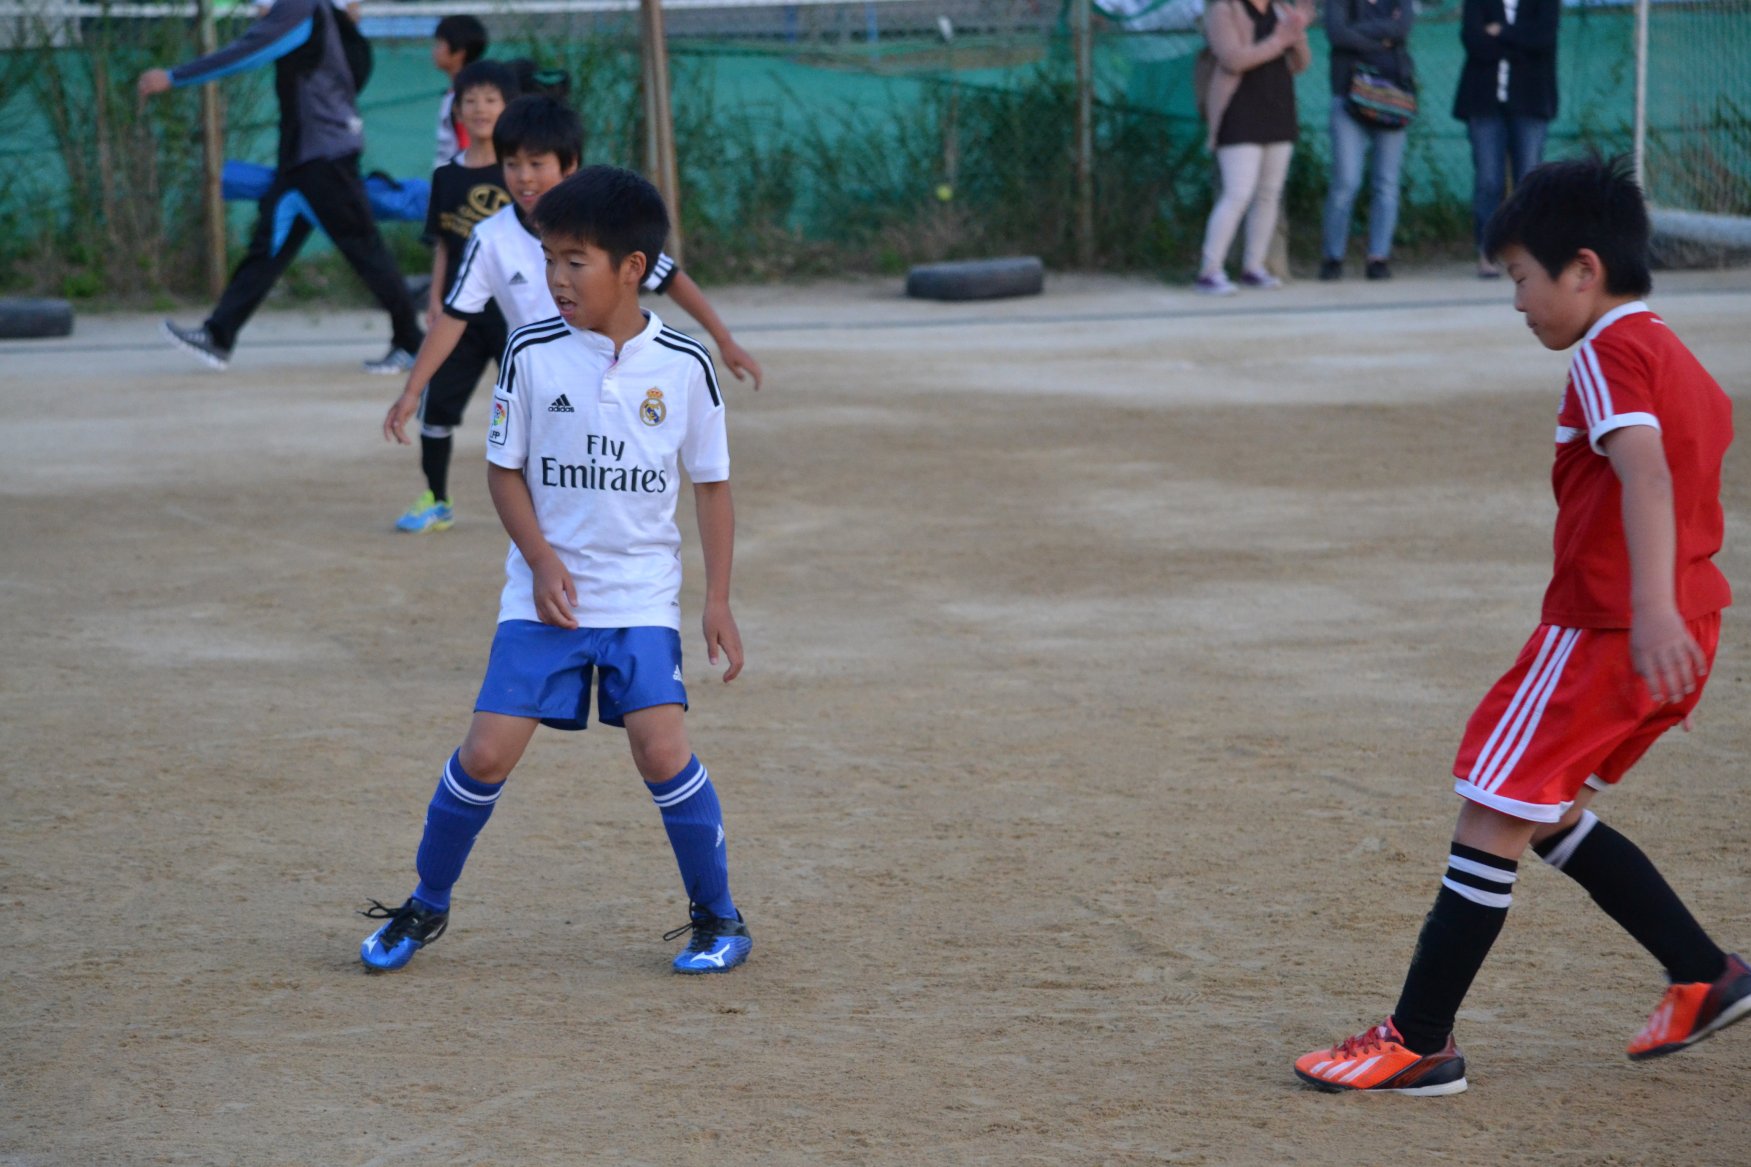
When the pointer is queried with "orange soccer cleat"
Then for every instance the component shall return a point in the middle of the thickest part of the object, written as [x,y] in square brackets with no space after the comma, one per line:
[1377,1060]
[1690,1012]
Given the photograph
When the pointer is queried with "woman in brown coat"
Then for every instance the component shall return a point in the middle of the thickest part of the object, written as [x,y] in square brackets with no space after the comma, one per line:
[1259,46]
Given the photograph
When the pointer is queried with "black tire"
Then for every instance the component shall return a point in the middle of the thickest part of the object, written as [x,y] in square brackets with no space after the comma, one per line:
[977,279]
[34,319]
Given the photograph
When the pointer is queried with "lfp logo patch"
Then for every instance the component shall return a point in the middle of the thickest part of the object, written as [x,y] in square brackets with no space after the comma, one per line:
[501,421]
[651,410]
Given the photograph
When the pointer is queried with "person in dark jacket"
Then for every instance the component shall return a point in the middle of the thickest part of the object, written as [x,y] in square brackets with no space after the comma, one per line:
[321,138]
[1371,34]
[1506,97]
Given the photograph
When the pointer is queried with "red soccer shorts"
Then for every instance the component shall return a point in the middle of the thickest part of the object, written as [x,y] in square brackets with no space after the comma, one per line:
[1571,712]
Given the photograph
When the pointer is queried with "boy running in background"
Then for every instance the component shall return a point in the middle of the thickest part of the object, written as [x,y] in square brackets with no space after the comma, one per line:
[457,43]
[465,191]
[321,138]
[1629,628]
[595,411]
[538,141]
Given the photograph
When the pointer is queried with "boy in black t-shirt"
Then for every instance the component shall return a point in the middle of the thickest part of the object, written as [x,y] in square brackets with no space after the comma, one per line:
[465,191]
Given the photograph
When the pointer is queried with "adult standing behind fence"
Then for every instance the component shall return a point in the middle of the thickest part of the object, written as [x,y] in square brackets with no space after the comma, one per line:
[321,138]
[1367,46]
[1506,97]
[1258,47]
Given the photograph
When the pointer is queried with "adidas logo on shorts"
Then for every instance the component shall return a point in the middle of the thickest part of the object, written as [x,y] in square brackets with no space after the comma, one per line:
[561,405]
[517,279]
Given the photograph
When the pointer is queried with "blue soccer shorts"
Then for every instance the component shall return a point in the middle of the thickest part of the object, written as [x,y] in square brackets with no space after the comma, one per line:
[542,671]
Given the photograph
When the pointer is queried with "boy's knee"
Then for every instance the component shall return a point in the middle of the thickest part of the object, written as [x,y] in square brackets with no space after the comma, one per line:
[660,748]
[486,762]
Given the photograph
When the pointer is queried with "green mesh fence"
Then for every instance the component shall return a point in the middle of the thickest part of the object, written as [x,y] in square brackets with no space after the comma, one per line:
[859,137]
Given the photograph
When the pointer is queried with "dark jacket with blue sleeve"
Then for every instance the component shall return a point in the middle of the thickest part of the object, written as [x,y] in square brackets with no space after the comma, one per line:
[319,115]
[1371,33]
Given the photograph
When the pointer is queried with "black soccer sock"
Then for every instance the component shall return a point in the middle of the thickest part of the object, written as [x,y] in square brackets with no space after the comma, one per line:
[1456,936]
[1625,883]
[435,461]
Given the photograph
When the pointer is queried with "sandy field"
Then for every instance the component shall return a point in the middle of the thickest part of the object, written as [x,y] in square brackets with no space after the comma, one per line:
[1107,655]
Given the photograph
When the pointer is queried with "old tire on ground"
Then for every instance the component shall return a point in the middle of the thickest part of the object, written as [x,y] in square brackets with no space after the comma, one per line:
[977,279]
[31,319]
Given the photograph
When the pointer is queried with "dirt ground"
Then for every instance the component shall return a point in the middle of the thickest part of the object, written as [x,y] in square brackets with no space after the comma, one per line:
[1107,655]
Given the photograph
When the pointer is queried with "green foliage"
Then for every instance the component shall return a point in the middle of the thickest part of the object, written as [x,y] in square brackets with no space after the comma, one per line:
[116,185]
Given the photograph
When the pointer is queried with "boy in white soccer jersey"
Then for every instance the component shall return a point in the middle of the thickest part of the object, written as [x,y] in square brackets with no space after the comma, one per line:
[538,141]
[595,411]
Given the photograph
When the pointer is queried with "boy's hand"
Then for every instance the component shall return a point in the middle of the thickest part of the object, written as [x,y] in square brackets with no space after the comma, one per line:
[1666,656]
[556,594]
[400,410]
[154,81]
[738,360]
[721,632]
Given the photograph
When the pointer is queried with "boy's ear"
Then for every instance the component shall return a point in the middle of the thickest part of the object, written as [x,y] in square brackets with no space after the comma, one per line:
[632,269]
[1589,270]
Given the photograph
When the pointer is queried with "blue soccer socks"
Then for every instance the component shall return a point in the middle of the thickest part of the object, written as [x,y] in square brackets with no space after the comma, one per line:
[695,824]
[460,807]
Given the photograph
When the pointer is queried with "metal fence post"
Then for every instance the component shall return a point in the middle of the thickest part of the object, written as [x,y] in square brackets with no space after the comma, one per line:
[1084,17]
[213,161]
[659,120]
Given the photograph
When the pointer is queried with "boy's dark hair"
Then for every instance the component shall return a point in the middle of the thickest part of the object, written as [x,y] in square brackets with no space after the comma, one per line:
[539,125]
[615,209]
[464,34]
[487,74]
[1561,207]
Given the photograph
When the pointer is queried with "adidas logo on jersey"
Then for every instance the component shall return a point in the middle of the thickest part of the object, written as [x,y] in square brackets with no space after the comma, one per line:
[517,280]
[677,672]
[561,405]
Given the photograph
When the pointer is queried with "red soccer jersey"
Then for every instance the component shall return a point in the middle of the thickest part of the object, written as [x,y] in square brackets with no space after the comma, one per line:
[1631,370]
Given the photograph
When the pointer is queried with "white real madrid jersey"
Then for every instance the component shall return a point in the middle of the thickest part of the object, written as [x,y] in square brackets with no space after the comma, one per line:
[503,262]
[598,440]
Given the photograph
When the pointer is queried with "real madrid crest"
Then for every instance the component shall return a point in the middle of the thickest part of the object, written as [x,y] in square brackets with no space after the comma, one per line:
[651,410]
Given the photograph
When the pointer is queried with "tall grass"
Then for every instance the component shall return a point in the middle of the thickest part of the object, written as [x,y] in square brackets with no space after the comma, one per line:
[109,202]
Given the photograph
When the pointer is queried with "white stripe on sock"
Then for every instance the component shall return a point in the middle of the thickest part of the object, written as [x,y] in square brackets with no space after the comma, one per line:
[456,788]
[1488,899]
[1565,850]
[1473,867]
[688,790]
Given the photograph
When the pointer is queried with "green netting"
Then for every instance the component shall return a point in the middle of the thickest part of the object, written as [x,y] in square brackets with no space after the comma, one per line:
[869,145]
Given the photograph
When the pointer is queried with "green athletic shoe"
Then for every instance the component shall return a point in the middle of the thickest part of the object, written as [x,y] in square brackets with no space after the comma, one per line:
[426,514]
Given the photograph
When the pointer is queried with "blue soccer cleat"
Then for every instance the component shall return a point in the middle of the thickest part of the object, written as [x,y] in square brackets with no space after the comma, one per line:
[411,927]
[718,945]
[427,514]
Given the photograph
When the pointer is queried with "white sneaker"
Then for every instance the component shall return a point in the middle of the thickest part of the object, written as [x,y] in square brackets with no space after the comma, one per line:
[1216,284]
[396,360]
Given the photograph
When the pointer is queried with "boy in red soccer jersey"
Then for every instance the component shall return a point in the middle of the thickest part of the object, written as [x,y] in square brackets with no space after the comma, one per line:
[1626,639]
